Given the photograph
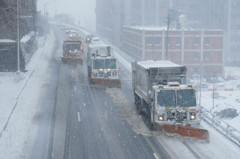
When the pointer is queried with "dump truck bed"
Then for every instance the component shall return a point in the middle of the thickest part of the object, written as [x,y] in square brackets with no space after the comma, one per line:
[149,73]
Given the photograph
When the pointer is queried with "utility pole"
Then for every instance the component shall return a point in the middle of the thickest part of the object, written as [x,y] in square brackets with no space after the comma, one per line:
[201,74]
[167,39]
[229,21]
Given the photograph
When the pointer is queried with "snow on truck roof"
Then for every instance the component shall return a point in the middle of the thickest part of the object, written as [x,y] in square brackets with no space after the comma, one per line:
[148,28]
[157,64]
[98,45]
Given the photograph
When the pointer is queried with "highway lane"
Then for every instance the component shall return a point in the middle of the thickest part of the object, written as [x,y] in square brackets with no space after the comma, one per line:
[90,121]
[90,124]
[43,119]
[77,120]
[95,129]
[161,143]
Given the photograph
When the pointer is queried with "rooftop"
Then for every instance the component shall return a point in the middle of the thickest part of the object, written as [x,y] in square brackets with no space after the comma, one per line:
[161,28]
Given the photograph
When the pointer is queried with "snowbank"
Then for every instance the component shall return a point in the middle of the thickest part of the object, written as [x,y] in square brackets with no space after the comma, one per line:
[20,94]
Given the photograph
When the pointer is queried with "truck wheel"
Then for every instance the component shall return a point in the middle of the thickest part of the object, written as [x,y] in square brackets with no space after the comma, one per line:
[137,102]
[149,117]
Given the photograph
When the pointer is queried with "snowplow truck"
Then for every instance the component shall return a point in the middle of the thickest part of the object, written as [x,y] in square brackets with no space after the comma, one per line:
[102,66]
[72,52]
[169,104]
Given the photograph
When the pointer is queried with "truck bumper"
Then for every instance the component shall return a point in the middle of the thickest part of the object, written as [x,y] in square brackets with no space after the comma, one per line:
[105,82]
[72,60]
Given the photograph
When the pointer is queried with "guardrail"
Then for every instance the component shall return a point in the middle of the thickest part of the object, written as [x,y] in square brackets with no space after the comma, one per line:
[227,130]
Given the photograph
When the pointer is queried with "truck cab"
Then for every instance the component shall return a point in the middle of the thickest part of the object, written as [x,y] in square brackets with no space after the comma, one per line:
[72,48]
[72,51]
[102,65]
[175,104]
[101,61]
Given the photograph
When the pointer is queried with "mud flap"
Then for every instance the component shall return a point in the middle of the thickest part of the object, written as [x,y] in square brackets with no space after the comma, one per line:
[106,82]
[183,131]
[72,60]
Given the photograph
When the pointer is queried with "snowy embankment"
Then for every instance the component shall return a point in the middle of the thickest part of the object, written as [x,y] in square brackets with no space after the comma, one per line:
[20,95]
[223,98]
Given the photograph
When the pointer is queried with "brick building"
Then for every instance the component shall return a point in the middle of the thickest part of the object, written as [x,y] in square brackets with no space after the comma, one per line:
[185,47]
[111,15]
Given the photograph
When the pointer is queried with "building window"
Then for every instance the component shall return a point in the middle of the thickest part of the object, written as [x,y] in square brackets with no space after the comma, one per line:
[207,40]
[157,41]
[168,40]
[152,41]
[196,40]
[148,41]
[196,55]
[206,55]
[178,41]
[196,69]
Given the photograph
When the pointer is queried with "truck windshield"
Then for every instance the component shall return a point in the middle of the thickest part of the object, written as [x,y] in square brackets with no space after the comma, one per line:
[186,98]
[72,47]
[98,64]
[110,63]
[166,98]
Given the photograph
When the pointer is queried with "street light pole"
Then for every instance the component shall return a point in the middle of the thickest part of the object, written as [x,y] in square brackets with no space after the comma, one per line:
[44,14]
[18,39]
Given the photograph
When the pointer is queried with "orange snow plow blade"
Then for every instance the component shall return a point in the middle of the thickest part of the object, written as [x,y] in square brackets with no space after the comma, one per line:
[106,82]
[183,131]
[72,60]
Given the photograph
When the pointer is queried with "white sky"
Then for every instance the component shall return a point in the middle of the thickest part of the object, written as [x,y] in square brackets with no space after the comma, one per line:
[84,10]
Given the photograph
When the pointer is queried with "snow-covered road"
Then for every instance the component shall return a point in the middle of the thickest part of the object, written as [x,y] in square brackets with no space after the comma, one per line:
[218,147]
[21,109]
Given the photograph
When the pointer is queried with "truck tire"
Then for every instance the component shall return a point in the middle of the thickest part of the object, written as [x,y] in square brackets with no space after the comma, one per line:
[89,73]
[148,118]
[137,102]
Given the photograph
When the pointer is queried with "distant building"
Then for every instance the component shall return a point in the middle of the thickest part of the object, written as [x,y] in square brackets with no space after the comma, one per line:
[112,15]
[185,47]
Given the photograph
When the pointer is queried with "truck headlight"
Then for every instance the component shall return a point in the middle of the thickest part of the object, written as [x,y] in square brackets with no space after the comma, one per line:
[161,118]
[192,116]
[100,70]
[109,69]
